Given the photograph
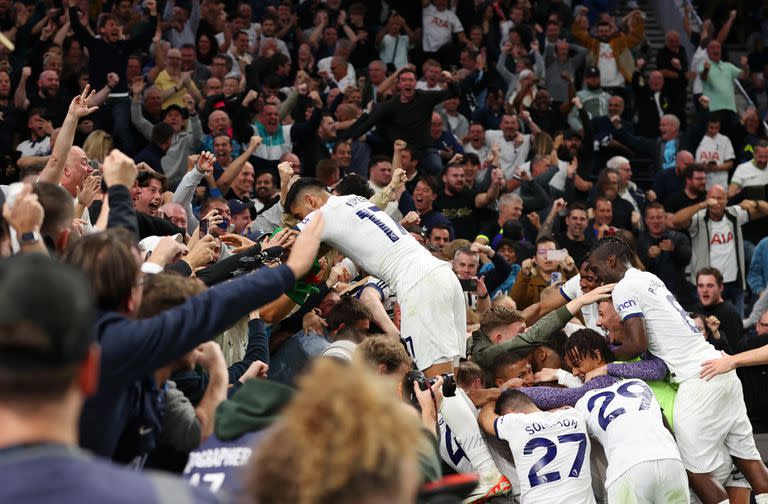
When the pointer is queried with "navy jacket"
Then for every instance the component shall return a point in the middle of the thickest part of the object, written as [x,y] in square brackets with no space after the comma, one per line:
[133,349]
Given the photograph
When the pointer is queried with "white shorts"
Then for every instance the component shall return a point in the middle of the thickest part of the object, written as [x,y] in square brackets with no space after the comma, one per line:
[709,415]
[433,323]
[651,482]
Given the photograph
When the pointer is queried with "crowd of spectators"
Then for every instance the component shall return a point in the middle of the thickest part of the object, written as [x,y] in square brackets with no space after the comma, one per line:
[149,146]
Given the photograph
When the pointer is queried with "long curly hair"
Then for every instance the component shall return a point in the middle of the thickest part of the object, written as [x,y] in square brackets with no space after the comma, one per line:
[343,438]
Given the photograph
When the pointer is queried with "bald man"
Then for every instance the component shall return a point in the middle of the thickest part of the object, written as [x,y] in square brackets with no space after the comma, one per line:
[652,100]
[48,96]
[219,123]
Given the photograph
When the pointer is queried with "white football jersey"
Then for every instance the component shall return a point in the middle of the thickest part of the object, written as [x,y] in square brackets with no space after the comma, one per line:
[626,419]
[551,451]
[570,291]
[371,239]
[450,451]
[672,335]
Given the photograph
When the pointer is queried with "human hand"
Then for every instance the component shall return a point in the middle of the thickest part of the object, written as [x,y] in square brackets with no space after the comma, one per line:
[400,145]
[667,245]
[513,383]
[640,63]
[598,294]
[600,371]
[482,290]
[568,263]
[79,108]
[112,79]
[167,251]
[239,243]
[545,375]
[527,266]
[306,246]
[190,103]
[713,323]
[254,143]
[338,274]
[119,169]
[26,72]
[202,252]
[479,248]
[151,6]
[651,195]
[315,97]
[206,161]
[577,102]
[675,62]
[257,369]
[714,367]
[27,213]
[635,218]
[410,219]
[616,121]
[707,66]
[399,178]
[283,238]
[285,170]
[712,202]
[137,86]
[744,61]
[497,177]
[535,219]
[209,355]
[457,158]
[313,323]
[654,251]
[88,191]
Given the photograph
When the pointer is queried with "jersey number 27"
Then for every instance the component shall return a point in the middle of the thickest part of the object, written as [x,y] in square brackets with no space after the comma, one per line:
[536,479]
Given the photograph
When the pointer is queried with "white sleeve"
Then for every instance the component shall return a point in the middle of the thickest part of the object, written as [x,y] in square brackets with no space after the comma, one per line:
[570,289]
[567,379]
[625,301]
[301,225]
[693,227]
[505,427]
[742,215]
[729,155]
[457,27]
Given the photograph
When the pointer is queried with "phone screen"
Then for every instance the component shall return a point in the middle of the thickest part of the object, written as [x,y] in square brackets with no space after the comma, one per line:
[203,227]
[468,284]
[556,255]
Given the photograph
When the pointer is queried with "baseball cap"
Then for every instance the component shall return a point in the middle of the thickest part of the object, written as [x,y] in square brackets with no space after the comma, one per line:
[48,325]
[149,244]
[342,350]
[257,235]
[236,206]
[592,72]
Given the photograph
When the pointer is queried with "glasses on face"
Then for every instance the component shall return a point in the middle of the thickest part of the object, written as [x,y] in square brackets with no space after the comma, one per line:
[763,324]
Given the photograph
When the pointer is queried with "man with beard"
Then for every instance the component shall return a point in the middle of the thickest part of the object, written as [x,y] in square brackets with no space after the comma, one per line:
[319,147]
[40,129]
[48,96]
[461,204]
[574,239]
[593,98]
[693,193]
[265,191]
[220,124]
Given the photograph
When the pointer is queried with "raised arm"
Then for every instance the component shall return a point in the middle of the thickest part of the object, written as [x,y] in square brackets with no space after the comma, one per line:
[482,200]
[78,108]
[547,398]
[236,166]
[20,100]
[682,219]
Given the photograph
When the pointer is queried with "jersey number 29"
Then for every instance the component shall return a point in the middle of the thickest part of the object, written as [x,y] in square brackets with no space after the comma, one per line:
[604,418]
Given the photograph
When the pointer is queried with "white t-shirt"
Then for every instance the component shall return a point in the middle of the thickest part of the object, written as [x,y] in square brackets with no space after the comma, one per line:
[30,148]
[483,152]
[551,451]
[423,85]
[374,241]
[716,149]
[570,291]
[609,72]
[672,335]
[439,27]
[722,248]
[697,60]
[389,44]
[626,419]
[748,174]
[512,156]
[324,65]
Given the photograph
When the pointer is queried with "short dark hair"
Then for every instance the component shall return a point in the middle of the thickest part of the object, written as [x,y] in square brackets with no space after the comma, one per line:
[326,167]
[347,311]
[612,245]
[438,226]
[145,177]
[556,342]
[505,359]
[379,158]
[546,238]
[654,205]
[430,181]
[714,117]
[301,186]
[512,399]
[354,184]
[709,270]
[471,158]
[587,343]
[162,132]
[576,205]
[693,167]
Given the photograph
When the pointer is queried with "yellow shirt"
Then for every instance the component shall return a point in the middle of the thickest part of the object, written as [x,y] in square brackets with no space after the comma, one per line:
[164,81]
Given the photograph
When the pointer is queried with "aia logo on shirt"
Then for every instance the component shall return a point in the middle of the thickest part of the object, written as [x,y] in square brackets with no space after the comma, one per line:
[441,23]
[706,157]
[721,238]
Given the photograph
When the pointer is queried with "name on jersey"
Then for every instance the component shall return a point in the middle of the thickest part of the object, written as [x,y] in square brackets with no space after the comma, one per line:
[655,284]
[356,200]
[538,427]
[721,238]
[218,457]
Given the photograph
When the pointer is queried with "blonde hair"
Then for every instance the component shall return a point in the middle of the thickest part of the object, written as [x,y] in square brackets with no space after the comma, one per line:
[375,350]
[98,145]
[345,437]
